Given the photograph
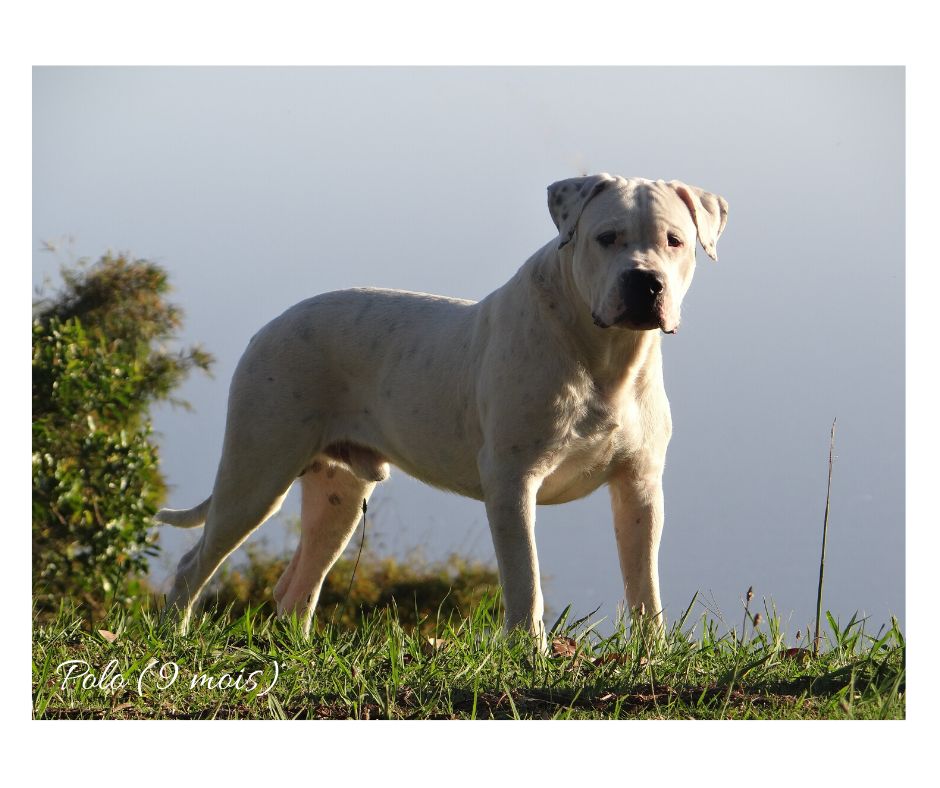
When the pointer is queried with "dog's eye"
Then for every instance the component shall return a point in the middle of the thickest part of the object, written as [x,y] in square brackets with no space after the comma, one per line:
[673,239]
[606,239]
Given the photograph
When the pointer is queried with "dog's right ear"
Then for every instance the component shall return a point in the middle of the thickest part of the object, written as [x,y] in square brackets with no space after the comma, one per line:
[567,198]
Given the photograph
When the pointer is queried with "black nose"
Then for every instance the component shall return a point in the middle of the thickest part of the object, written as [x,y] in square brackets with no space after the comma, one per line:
[640,287]
[641,291]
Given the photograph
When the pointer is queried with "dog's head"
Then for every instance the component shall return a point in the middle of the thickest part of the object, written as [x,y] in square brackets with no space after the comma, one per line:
[632,243]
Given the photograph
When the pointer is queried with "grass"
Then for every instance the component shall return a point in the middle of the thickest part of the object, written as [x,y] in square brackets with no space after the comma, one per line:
[225,669]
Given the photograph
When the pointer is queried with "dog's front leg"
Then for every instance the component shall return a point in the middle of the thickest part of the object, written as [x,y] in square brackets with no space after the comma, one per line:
[637,503]
[510,508]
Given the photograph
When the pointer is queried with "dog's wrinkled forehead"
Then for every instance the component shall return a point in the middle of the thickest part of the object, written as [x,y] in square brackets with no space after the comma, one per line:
[634,205]
[643,210]
[642,200]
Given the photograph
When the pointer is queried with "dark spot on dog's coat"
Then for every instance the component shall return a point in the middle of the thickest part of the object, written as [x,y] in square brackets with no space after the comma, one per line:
[335,499]
[316,466]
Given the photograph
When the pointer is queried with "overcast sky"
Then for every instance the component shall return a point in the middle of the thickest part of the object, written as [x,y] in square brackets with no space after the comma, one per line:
[256,188]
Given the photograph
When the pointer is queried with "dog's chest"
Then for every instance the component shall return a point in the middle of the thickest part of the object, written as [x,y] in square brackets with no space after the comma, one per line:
[596,442]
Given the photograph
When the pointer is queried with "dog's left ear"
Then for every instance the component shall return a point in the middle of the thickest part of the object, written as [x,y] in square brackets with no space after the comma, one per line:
[567,198]
[709,212]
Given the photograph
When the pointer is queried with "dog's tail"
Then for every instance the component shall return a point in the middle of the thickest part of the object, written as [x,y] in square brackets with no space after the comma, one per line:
[185,518]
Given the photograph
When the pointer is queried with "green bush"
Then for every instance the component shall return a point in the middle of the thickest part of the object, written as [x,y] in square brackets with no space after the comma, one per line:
[99,362]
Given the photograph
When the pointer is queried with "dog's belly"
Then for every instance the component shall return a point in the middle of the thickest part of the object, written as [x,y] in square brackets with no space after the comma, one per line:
[462,478]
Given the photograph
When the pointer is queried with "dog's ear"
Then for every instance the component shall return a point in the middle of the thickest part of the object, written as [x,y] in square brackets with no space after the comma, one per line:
[709,212]
[567,198]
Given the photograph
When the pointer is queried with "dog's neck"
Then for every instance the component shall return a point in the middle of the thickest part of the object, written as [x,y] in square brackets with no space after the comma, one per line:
[612,357]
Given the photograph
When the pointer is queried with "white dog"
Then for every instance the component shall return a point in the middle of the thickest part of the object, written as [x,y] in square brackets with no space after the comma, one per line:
[546,389]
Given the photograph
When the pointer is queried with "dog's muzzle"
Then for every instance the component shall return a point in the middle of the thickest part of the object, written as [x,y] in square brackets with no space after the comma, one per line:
[642,294]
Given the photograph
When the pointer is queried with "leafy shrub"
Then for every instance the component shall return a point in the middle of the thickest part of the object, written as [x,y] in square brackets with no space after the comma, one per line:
[99,361]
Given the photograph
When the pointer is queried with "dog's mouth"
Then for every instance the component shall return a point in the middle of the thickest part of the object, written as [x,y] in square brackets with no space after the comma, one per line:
[626,320]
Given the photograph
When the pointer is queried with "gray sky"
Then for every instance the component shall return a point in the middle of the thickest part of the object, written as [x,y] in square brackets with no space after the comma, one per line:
[258,187]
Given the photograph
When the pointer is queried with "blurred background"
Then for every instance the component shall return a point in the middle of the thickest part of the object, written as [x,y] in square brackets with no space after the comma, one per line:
[257,187]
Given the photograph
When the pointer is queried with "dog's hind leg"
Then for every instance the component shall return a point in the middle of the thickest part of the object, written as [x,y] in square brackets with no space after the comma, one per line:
[248,490]
[331,505]
[216,544]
